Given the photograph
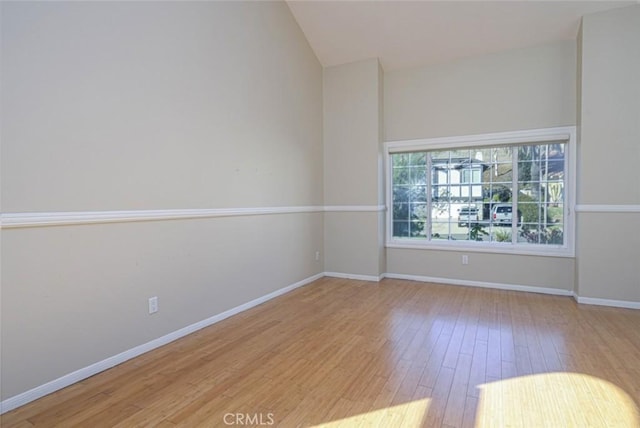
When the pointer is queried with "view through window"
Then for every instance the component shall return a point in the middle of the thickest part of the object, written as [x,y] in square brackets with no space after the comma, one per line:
[509,194]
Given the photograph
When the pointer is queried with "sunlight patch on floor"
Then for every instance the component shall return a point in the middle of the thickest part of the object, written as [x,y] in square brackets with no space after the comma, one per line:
[554,400]
[407,415]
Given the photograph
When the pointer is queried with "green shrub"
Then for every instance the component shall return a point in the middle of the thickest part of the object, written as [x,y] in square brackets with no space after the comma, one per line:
[503,235]
[546,235]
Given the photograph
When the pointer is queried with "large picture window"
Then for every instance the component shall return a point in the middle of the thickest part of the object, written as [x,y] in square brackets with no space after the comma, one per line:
[507,192]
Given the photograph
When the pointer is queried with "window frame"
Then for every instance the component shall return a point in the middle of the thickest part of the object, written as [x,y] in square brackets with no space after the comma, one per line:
[564,134]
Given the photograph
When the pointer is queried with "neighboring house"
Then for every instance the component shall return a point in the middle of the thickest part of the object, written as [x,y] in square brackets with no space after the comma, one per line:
[457,182]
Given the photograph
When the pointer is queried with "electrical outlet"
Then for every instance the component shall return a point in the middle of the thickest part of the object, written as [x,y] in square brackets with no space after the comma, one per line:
[153,305]
[317,255]
[465,259]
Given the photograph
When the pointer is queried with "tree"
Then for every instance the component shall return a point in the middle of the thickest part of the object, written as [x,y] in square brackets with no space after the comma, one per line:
[409,194]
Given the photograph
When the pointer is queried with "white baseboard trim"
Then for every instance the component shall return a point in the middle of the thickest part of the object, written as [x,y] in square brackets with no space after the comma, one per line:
[607,302]
[78,375]
[354,276]
[496,285]
[83,373]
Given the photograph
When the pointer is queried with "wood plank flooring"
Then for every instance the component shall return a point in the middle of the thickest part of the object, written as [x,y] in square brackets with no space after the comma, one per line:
[394,354]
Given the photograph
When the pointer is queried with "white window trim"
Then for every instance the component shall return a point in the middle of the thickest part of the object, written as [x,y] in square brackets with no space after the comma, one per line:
[563,133]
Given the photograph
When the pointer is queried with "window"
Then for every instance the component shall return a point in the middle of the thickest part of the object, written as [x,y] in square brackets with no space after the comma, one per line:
[471,175]
[508,192]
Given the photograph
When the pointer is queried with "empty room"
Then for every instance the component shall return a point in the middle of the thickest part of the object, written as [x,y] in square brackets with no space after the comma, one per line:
[320,213]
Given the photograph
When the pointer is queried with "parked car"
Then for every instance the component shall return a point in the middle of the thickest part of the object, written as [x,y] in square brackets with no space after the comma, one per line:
[503,214]
[468,216]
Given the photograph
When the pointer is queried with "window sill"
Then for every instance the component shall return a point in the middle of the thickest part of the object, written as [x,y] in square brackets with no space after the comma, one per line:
[486,247]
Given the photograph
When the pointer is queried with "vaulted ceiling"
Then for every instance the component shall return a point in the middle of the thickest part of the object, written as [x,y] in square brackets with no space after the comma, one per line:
[406,34]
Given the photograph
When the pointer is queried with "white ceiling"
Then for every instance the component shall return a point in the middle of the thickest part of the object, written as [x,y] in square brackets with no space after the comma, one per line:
[406,34]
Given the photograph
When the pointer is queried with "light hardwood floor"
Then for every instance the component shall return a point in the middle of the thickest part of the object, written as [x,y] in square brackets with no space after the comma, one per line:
[393,354]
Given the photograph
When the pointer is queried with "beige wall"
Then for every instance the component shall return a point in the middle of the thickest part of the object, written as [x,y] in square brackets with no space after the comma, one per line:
[609,154]
[351,243]
[73,296]
[352,168]
[509,91]
[158,106]
[351,133]
[508,270]
[150,105]
[515,90]
[610,110]
[608,252]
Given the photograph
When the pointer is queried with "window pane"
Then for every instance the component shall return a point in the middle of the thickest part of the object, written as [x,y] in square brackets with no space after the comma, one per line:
[555,212]
[472,194]
[401,176]
[401,194]
[529,212]
[541,193]
[498,195]
[418,193]
[553,235]
[401,229]
[400,211]
[416,229]
[530,191]
[409,193]
[458,190]
[440,230]
[418,211]
[502,215]
[419,175]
